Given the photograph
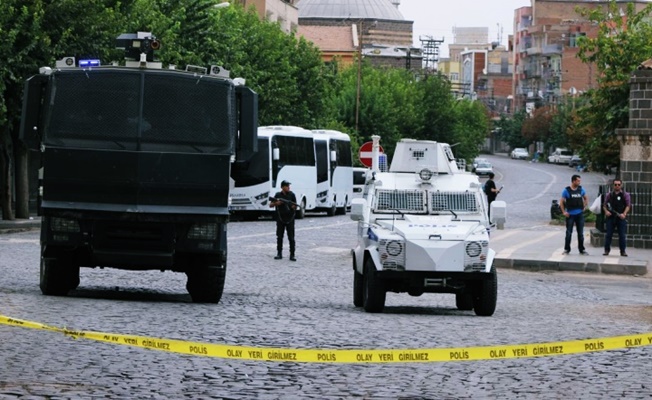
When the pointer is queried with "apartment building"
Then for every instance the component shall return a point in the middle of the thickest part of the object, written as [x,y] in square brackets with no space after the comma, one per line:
[546,66]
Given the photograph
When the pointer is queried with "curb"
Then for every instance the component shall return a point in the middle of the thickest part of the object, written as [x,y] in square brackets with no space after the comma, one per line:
[590,267]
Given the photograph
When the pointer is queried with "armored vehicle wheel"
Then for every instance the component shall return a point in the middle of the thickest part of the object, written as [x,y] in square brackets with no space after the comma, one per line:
[56,278]
[331,211]
[464,301]
[301,212]
[73,277]
[484,299]
[358,289]
[206,284]
[373,290]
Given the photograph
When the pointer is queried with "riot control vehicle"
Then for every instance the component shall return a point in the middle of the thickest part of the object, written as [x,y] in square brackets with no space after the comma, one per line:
[423,228]
[135,165]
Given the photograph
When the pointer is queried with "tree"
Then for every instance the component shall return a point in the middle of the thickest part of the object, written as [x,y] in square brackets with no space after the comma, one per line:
[622,43]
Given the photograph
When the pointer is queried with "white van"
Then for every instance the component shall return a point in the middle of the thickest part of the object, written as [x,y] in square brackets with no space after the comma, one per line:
[560,156]
[359,177]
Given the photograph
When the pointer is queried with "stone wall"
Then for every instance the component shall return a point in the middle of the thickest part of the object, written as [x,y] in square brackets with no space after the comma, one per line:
[636,162]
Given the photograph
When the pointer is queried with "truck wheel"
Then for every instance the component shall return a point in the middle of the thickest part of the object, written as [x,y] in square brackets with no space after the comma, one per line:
[464,301]
[331,211]
[55,280]
[373,290]
[484,299]
[301,213]
[342,210]
[358,289]
[206,284]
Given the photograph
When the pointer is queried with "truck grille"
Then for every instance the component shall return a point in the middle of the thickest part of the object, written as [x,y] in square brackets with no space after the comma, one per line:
[409,201]
[455,201]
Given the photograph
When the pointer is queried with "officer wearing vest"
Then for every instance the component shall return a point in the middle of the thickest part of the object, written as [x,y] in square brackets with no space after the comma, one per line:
[616,207]
[572,203]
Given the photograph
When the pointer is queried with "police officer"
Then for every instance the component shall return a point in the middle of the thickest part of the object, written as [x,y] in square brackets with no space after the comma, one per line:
[572,203]
[286,206]
[616,207]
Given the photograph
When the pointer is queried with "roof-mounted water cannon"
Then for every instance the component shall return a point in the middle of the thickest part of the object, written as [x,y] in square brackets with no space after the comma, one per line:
[138,47]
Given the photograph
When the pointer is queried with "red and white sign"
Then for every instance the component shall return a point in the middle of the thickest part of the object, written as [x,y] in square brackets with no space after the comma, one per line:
[366,152]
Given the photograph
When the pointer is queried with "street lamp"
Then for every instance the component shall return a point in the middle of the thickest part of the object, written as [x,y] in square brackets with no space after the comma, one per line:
[222,5]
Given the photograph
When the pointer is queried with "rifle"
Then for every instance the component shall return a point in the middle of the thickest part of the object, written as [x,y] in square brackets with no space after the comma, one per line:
[285,201]
[612,211]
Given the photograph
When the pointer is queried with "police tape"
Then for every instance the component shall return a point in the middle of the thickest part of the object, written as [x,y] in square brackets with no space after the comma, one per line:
[352,355]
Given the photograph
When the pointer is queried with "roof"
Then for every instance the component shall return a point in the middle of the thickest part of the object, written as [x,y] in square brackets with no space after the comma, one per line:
[329,38]
[353,9]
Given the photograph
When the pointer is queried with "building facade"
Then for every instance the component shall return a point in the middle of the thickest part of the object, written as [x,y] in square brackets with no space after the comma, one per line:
[284,12]
[546,66]
[379,31]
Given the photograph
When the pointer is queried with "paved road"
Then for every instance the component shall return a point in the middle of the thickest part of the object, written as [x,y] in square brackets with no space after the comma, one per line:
[531,187]
[308,304]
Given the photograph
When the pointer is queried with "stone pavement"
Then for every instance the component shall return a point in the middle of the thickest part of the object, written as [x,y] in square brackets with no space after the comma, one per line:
[541,250]
[523,249]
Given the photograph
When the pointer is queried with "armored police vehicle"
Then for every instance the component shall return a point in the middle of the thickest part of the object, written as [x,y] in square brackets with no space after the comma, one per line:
[136,163]
[423,228]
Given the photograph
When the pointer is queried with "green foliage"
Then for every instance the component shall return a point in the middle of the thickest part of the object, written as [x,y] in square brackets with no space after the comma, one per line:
[511,129]
[622,43]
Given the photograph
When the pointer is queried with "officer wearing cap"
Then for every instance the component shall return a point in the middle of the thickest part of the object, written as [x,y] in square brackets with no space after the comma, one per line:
[286,206]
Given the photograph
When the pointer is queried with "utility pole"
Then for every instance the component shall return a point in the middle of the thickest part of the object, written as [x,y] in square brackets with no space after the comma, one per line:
[357,96]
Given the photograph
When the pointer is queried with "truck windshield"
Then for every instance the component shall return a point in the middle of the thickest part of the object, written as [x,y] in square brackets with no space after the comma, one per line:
[140,110]
[256,170]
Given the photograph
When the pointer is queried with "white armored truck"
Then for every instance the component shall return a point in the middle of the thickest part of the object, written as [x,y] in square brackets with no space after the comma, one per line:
[423,228]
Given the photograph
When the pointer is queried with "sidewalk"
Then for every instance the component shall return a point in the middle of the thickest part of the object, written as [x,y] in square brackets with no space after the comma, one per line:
[18,225]
[523,249]
[541,250]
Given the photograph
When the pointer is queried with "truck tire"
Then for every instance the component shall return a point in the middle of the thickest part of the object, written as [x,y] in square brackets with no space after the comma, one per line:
[206,284]
[464,301]
[373,289]
[301,212]
[331,211]
[358,289]
[342,210]
[56,279]
[485,296]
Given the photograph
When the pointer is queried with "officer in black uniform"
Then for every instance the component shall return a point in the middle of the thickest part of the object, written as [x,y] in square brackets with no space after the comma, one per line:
[286,207]
[616,207]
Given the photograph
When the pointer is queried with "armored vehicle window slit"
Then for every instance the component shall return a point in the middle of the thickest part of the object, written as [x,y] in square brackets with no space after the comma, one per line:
[408,201]
[455,201]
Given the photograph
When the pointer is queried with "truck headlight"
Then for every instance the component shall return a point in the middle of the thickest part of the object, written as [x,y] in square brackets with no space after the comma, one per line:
[64,225]
[394,248]
[262,196]
[392,254]
[203,231]
[473,249]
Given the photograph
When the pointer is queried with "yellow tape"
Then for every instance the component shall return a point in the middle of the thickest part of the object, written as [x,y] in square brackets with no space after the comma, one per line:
[351,356]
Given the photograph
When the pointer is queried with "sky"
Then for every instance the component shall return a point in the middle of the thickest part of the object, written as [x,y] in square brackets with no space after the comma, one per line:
[437,18]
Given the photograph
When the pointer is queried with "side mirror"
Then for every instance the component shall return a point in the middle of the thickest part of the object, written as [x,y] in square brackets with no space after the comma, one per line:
[333,156]
[358,209]
[276,154]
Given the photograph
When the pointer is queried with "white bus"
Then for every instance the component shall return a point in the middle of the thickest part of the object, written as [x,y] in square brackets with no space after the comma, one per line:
[285,153]
[334,171]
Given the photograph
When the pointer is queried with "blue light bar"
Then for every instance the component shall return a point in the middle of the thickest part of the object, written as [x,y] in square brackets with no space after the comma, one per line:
[89,63]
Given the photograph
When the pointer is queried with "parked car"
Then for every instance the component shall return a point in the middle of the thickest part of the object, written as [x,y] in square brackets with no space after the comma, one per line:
[560,156]
[484,168]
[520,153]
[477,161]
[575,161]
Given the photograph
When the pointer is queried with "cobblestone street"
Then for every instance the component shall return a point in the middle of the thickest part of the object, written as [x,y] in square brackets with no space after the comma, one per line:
[308,304]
